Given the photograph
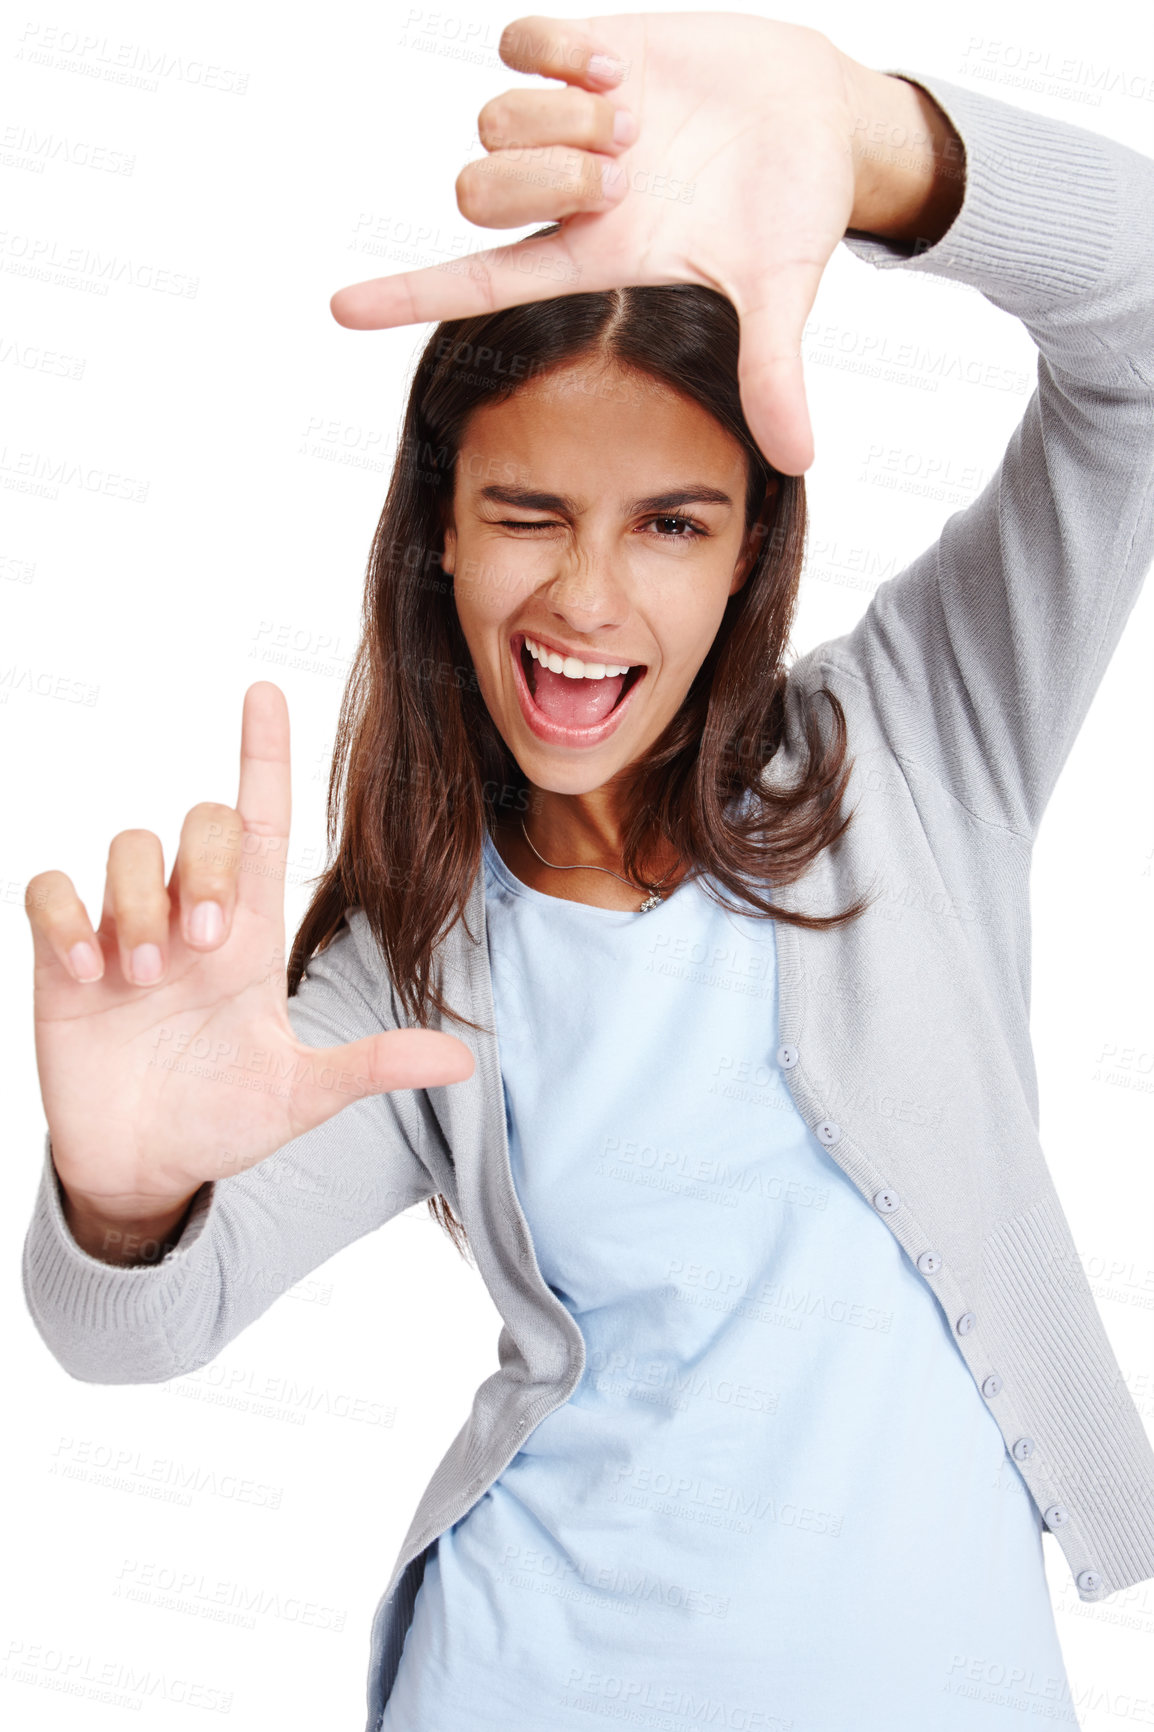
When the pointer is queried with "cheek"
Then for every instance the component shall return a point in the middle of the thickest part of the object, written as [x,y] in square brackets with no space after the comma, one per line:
[489,588]
[686,622]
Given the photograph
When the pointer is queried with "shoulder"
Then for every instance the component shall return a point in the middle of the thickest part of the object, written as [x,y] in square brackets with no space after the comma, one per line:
[353,964]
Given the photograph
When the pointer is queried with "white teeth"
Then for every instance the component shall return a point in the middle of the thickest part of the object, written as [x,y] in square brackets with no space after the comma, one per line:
[571,667]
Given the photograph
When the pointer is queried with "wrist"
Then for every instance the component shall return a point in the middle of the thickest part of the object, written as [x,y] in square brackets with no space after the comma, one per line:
[909,160]
[117,1231]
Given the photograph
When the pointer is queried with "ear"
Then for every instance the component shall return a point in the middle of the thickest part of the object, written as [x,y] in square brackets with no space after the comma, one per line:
[745,560]
[759,529]
[448,557]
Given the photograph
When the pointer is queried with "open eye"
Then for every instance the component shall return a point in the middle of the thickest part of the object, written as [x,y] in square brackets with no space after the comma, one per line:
[696,530]
[691,523]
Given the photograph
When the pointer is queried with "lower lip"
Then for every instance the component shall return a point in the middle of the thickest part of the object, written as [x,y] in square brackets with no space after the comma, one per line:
[553,733]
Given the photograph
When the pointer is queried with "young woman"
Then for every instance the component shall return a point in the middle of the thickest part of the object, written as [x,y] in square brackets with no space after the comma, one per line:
[689,987]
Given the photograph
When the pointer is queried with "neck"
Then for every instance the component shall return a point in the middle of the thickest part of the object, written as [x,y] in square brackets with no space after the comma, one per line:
[576,827]
[588,830]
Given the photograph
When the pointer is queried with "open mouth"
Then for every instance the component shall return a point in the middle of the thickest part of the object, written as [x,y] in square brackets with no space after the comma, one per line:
[619,683]
[581,706]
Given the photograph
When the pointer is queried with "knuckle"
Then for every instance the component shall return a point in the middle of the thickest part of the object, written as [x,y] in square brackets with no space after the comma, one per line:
[212,811]
[46,890]
[473,199]
[588,118]
[588,180]
[62,930]
[209,880]
[216,830]
[42,879]
[142,909]
[522,42]
[494,122]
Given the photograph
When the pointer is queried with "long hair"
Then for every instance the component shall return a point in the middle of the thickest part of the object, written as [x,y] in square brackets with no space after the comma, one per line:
[419,769]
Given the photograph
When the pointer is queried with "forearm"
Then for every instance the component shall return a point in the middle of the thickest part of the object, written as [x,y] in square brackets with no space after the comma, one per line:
[909,161]
[1011,618]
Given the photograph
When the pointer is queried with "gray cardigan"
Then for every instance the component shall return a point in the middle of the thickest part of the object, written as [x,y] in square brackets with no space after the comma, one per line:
[905,1034]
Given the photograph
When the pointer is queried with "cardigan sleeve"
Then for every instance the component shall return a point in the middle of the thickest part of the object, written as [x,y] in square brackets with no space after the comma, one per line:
[983,655]
[247,1237]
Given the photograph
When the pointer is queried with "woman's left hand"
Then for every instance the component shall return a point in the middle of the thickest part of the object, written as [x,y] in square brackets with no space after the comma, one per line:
[743,177]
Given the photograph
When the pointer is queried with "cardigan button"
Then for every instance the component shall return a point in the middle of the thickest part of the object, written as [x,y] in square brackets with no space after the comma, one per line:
[966,1322]
[991,1384]
[1023,1449]
[1088,1580]
[828,1133]
[1056,1516]
[886,1201]
[787,1057]
[930,1262]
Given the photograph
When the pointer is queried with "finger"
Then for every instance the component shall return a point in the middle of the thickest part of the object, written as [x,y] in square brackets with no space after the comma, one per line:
[561,48]
[514,187]
[528,119]
[204,878]
[62,933]
[769,368]
[264,799]
[405,1058]
[528,270]
[137,908]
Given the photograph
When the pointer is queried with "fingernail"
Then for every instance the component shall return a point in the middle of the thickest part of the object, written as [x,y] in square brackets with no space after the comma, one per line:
[605,66]
[625,127]
[147,964]
[85,962]
[206,923]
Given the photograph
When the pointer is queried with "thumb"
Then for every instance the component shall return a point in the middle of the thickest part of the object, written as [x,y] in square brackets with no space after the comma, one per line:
[769,372]
[330,1077]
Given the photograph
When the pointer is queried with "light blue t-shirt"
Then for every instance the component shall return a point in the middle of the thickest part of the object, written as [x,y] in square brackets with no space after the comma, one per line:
[776,1499]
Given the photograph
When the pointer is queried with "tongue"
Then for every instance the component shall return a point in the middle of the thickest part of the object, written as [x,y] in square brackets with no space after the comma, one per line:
[575,703]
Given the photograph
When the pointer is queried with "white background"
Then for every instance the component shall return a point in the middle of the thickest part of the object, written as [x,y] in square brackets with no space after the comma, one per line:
[259,437]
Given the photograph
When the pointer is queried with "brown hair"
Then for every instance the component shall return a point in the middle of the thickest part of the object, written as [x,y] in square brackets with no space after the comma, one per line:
[419,767]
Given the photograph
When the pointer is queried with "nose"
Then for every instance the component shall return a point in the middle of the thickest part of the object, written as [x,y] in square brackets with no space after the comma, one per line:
[586,593]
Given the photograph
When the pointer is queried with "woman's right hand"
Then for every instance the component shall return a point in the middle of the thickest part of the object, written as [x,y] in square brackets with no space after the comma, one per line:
[155,1081]
[741,179]
[759,143]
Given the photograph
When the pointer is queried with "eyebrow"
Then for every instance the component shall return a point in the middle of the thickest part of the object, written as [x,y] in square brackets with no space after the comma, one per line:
[528,499]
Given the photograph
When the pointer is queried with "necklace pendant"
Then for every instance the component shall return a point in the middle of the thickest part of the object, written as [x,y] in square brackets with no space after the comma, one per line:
[650,902]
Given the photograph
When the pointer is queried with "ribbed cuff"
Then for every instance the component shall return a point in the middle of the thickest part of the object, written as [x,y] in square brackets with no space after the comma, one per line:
[1041,210]
[78,1294]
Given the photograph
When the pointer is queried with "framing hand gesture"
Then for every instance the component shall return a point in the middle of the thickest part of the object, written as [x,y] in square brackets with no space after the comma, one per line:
[752,140]
[176,1063]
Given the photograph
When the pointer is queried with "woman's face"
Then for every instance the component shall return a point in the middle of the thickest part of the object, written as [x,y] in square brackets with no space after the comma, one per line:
[599,515]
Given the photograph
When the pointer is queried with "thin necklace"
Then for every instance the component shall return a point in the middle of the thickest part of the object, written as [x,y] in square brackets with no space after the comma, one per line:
[651,900]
